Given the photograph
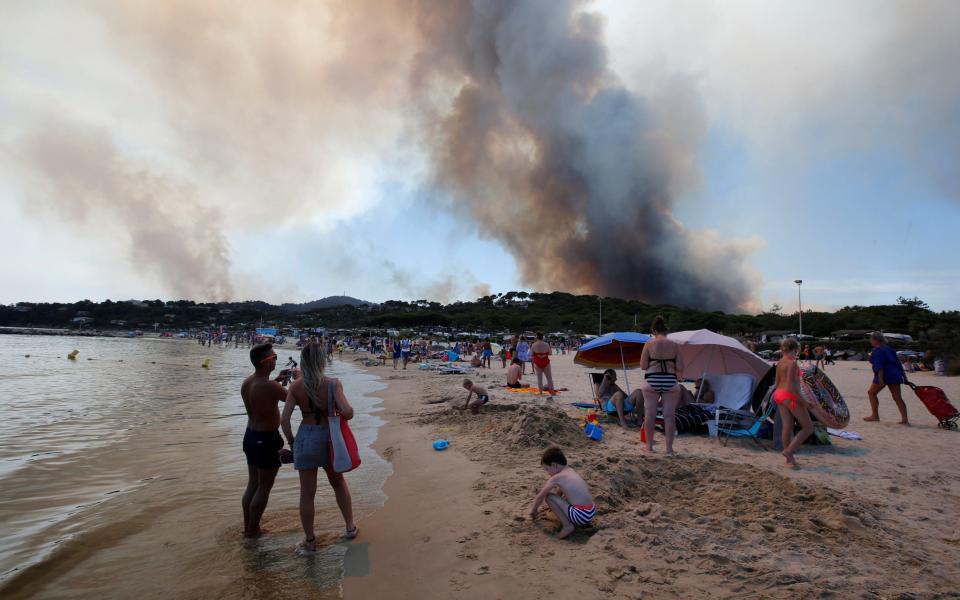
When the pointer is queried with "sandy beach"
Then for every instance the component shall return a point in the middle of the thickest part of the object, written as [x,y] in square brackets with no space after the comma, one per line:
[875,518]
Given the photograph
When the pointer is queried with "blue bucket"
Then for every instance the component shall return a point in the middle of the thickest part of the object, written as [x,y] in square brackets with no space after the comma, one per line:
[441,445]
[589,429]
[595,434]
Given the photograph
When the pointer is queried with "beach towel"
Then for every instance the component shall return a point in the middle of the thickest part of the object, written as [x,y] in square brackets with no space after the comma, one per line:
[533,390]
[847,435]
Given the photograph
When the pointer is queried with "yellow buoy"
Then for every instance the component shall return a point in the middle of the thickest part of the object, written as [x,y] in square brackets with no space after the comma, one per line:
[206,363]
[73,355]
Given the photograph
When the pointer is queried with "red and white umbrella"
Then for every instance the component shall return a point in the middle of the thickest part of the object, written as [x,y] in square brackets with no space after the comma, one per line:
[703,351]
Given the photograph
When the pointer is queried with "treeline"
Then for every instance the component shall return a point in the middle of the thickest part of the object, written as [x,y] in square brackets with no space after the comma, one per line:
[512,311]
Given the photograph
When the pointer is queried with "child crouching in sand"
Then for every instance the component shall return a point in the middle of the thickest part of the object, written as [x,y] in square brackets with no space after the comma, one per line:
[574,505]
[482,396]
[789,402]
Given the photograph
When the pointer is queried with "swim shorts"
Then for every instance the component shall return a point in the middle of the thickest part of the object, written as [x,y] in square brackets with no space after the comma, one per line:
[514,385]
[311,447]
[262,448]
[581,514]
[610,408]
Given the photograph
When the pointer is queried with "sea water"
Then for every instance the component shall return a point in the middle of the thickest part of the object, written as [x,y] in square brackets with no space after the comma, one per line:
[121,474]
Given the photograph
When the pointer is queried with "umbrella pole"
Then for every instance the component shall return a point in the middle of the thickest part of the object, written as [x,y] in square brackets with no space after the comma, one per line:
[623,363]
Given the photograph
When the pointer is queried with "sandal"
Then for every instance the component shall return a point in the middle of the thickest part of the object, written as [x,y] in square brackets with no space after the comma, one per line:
[352,533]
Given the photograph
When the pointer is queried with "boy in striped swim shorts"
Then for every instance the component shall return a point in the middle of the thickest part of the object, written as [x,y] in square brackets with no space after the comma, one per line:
[566,494]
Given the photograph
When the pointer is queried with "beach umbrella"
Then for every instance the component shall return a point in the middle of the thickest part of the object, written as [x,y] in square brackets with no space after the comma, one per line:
[703,351]
[619,349]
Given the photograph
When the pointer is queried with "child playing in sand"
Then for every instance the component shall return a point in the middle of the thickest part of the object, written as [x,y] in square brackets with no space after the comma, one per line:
[789,403]
[574,505]
[482,396]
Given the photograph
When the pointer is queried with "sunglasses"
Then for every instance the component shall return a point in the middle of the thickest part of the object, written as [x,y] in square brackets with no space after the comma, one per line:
[265,359]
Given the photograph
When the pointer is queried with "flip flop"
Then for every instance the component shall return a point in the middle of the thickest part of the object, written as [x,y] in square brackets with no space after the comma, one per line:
[352,533]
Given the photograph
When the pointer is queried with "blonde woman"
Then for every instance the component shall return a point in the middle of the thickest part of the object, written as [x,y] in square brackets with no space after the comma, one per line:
[316,395]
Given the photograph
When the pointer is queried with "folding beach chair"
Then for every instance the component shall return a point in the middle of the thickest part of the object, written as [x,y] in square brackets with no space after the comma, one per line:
[595,380]
[743,423]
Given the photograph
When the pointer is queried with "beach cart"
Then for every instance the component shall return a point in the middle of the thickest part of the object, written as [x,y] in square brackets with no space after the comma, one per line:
[937,403]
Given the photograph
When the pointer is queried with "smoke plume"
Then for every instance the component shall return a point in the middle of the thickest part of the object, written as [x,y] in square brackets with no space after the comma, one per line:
[551,155]
[77,175]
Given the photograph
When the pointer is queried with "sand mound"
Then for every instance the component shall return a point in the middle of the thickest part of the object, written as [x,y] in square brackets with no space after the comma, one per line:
[539,426]
[710,491]
[514,426]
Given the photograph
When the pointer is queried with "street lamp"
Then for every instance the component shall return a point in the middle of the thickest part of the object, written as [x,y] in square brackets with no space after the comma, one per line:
[799,282]
[600,328]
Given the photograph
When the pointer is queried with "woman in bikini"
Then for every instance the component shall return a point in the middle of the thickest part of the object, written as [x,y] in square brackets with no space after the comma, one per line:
[541,352]
[661,361]
[789,403]
[316,395]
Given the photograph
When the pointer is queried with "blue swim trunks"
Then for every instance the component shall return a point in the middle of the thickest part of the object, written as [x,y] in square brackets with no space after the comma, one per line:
[610,408]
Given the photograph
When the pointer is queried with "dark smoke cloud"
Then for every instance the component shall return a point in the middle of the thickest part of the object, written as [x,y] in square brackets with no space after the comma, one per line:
[77,175]
[551,155]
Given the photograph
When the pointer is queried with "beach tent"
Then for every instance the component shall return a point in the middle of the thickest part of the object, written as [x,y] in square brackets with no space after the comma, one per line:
[704,351]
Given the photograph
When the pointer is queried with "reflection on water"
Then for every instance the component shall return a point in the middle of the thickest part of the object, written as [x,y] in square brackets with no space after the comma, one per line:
[121,475]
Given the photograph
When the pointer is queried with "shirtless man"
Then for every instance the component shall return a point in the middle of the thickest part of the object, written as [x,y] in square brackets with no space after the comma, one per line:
[261,442]
[513,374]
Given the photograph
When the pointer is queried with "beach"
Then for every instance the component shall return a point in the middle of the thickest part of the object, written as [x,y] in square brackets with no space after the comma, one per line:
[874,518]
[124,473]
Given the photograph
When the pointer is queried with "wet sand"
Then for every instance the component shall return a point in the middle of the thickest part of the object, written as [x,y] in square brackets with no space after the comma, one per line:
[875,518]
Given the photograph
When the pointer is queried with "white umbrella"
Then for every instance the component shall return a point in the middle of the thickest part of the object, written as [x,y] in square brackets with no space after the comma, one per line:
[703,351]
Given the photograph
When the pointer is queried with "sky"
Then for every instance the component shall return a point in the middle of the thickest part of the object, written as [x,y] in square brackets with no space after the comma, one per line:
[693,152]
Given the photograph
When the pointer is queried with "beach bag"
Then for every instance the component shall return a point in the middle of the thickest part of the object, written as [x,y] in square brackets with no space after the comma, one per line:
[344,454]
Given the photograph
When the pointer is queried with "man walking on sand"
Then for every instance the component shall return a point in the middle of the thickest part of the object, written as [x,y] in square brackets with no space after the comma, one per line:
[261,442]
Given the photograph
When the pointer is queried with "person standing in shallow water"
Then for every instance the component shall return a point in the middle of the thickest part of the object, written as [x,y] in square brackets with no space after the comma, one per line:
[261,441]
[317,396]
[887,372]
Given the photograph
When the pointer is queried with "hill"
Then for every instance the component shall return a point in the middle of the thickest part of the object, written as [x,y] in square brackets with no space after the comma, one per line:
[328,302]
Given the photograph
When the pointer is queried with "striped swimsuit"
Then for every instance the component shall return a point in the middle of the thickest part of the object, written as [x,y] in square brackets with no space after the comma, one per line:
[663,381]
[581,514]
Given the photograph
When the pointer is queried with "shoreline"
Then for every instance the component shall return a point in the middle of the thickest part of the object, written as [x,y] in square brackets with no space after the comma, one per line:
[406,524]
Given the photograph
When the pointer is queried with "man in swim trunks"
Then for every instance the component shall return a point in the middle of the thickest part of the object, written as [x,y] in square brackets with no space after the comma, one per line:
[261,441]
[486,354]
[513,374]
[482,396]
[615,401]
[574,506]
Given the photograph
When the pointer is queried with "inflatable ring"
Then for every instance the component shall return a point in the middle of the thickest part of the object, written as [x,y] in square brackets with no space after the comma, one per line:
[824,399]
